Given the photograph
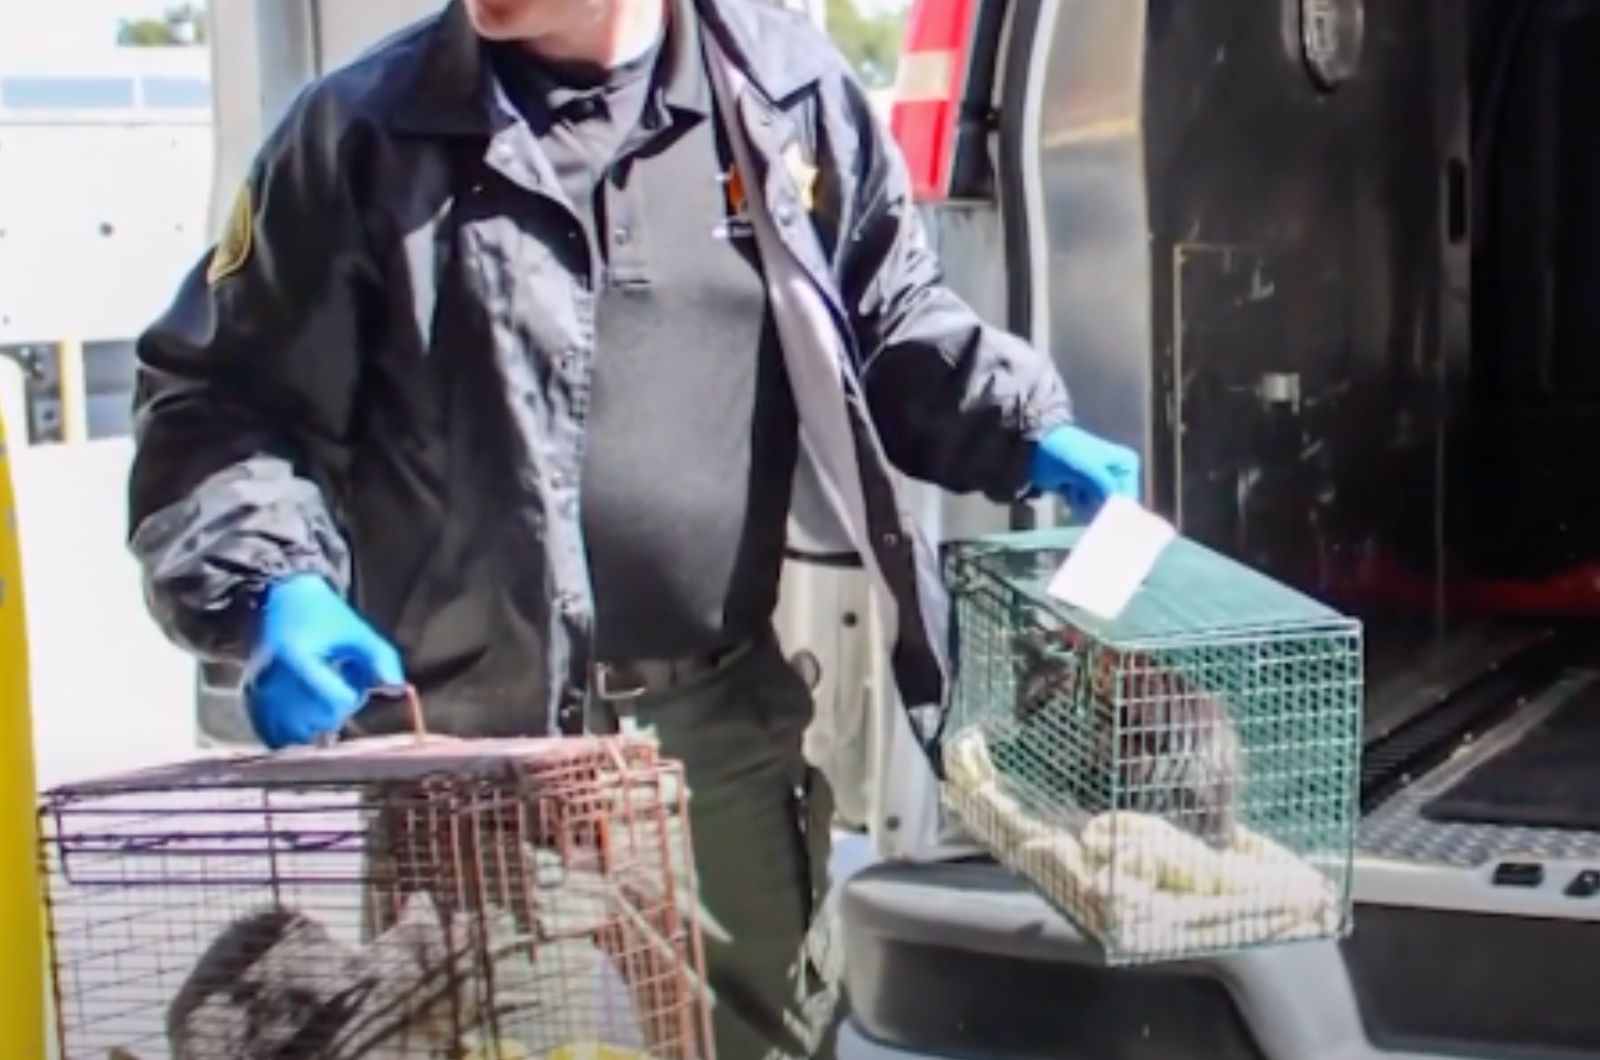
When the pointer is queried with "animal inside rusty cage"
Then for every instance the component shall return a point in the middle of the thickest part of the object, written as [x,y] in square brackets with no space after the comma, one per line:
[399,898]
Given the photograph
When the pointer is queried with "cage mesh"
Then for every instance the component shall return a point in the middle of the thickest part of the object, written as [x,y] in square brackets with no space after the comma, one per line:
[391,899]
[1180,781]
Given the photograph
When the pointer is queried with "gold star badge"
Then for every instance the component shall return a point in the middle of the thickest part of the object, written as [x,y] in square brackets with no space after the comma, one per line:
[804,175]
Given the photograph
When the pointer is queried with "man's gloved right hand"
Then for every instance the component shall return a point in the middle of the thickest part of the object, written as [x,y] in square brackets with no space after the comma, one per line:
[1084,470]
[314,663]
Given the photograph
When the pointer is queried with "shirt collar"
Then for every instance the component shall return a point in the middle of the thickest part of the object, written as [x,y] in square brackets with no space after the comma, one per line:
[542,93]
[682,77]
[450,89]
[679,85]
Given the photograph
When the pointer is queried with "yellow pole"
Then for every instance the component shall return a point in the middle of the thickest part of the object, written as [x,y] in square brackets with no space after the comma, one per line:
[22,964]
[74,391]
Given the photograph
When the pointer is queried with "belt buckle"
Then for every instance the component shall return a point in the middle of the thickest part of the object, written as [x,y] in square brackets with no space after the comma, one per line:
[602,686]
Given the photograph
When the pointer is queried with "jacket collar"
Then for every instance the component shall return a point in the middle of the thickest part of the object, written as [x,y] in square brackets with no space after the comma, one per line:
[685,86]
[450,90]
[777,64]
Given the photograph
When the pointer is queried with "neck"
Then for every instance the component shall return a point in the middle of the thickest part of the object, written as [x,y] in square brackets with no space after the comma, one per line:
[614,32]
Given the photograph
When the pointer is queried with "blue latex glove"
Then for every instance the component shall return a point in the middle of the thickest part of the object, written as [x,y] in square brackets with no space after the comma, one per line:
[314,663]
[1084,470]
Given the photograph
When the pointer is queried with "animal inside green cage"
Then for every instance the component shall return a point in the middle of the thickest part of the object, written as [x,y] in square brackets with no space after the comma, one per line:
[1179,781]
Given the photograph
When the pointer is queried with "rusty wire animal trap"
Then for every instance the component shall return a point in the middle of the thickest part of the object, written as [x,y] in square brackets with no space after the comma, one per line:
[392,899]
[1180,781]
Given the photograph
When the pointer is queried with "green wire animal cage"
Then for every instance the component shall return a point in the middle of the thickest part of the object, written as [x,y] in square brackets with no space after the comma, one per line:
[1179,781]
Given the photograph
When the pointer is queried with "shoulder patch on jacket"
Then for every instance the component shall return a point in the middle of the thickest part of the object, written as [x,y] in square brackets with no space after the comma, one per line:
[238,237]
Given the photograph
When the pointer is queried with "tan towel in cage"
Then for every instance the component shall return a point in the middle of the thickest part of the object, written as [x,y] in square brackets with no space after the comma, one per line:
[1153,885]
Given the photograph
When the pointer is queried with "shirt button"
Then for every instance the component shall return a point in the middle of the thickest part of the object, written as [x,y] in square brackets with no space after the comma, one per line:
[567,603]
[785,212]
[891,540]
[623,235]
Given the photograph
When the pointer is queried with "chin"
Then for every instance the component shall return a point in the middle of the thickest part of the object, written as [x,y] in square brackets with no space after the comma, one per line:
[500,19]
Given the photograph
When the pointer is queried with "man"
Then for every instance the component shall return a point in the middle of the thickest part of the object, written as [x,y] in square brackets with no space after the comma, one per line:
[504,345]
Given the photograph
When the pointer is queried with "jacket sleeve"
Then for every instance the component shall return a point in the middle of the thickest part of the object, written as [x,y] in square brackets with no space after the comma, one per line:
[243,396]
[957,402]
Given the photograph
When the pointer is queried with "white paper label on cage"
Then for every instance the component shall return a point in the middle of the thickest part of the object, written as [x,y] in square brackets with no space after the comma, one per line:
[1113,557]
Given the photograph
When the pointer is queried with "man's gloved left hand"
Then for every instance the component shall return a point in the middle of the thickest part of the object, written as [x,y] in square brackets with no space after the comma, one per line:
[1084,470]
[315,661]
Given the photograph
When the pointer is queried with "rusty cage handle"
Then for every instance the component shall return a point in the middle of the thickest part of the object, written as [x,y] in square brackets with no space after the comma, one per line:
[414,715]
[419,724]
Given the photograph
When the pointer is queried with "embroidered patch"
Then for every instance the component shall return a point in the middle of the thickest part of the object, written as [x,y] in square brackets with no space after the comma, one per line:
[237,239]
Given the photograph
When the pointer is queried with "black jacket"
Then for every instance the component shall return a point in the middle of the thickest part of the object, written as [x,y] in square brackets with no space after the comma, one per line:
[380,374]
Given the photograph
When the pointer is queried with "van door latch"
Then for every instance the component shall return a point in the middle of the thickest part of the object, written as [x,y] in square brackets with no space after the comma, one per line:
[1332,35]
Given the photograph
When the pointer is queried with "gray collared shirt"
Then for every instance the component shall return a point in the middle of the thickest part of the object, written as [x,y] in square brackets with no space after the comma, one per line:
[684,513]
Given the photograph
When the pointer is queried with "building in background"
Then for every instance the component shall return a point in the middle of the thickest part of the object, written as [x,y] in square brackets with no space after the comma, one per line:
[105,172]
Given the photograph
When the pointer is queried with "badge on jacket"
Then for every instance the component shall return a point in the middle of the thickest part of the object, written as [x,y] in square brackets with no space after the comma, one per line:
[238,236]
[737,225]
[804,175]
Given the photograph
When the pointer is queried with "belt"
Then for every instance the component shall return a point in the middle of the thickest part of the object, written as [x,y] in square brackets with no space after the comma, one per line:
[618,681]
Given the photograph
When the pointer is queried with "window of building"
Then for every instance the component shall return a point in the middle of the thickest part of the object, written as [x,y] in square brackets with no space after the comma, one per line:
[66,93]
[175,92]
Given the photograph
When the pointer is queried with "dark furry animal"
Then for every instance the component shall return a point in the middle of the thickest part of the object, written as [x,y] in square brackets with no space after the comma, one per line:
[276,985]
[270,987]
[1132,732]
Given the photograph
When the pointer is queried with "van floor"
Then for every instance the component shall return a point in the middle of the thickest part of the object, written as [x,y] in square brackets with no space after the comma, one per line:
[1401,829]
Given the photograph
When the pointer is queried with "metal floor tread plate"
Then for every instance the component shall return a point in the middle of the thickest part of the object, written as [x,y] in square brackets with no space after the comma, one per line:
[1397,831]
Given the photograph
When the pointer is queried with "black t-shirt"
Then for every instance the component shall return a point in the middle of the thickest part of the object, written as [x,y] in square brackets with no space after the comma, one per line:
[692,435]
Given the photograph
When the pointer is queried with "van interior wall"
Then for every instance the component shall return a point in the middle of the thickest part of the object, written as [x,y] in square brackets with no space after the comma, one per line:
[1535,415]
[1309,308]
[1376,306]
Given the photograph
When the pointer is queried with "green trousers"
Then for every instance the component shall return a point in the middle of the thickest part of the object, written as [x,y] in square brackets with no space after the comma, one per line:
[759,818]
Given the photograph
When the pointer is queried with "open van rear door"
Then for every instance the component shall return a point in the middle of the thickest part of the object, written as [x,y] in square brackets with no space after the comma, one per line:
[978,82]
[1330,265]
